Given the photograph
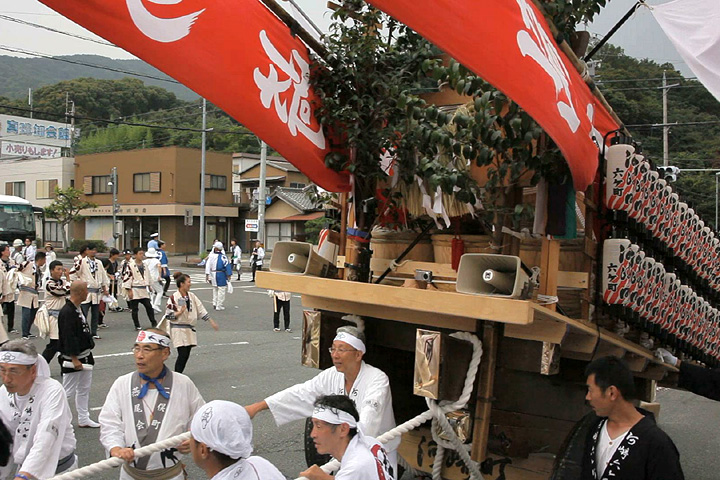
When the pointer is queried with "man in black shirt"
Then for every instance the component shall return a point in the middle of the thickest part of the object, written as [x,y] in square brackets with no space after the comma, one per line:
[76,360]
[624,442]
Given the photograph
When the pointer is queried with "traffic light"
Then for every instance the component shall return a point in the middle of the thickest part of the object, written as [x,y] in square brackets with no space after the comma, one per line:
[669,173]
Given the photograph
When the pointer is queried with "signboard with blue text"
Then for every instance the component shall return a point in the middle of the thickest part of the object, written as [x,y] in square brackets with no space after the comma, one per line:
[33,131]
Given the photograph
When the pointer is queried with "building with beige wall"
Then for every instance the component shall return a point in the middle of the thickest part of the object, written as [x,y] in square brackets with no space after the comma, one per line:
[35,180]
[158,190]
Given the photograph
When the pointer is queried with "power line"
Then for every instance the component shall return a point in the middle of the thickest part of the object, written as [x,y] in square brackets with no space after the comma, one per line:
[74,62]
[649,88]
[679,124]
[50,29]
[618,80]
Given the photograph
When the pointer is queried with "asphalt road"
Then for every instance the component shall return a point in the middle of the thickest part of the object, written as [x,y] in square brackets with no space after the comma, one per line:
[246,361]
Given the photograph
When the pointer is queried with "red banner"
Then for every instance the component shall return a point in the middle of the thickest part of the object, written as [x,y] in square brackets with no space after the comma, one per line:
[508,43]
[235,53]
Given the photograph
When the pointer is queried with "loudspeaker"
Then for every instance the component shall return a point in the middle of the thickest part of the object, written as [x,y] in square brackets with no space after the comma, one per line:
[300,258]
[489,274]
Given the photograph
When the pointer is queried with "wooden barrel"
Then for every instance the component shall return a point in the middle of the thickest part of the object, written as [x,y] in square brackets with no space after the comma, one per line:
[572,254]
[442,245]
[390,244]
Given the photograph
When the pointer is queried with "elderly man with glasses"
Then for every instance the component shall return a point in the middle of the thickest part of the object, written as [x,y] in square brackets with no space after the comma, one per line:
[36,412]
[366,385]
[148,406]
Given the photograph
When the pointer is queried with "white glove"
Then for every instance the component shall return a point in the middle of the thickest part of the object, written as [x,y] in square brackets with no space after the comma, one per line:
[666,356]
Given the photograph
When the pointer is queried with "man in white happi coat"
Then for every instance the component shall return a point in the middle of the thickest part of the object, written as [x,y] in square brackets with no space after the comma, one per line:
[366,385]
[91,271]
[218,273]
[221,444]
[36,411]
[152,260]
[336,432]
[148,406]
[28,298]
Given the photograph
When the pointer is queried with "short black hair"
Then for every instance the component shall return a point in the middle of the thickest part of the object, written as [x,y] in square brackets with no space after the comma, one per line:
[55,263]
[4,247]
[83,249]
[610,371]
[340,402]
[39,256]
[138,249]
[160,243]
[114,251]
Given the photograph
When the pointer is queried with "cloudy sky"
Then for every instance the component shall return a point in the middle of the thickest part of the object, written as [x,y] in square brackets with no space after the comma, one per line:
[641,36]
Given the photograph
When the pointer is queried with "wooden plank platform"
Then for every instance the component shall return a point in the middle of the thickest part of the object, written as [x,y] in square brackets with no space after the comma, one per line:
[523,319]
[397,300]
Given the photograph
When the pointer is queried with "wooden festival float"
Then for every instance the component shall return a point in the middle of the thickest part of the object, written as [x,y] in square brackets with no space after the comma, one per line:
[638,269]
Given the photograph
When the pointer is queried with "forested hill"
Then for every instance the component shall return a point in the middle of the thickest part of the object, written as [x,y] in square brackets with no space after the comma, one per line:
[19,74]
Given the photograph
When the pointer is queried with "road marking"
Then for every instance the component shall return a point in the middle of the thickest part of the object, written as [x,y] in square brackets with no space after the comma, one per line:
[123,354]
[113,355]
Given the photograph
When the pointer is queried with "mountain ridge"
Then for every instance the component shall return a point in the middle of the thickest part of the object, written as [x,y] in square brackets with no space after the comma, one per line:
[18,74]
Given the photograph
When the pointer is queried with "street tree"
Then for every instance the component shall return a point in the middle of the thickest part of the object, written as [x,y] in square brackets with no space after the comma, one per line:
[66,208]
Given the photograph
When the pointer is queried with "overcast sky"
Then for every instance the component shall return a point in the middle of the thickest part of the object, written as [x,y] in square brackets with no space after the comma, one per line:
[641,36]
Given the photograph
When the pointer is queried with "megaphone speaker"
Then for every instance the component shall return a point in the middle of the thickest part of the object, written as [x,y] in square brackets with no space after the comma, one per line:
[489,274]
[300,258]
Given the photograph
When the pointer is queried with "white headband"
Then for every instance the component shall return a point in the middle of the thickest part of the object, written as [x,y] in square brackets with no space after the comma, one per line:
[18,358]
[334,416]
[150,337]
[350,340]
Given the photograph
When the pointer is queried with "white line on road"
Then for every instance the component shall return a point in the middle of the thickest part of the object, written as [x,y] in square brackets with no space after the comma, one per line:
[122,354]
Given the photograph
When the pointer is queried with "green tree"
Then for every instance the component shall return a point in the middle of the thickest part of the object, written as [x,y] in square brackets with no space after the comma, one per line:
[66,208]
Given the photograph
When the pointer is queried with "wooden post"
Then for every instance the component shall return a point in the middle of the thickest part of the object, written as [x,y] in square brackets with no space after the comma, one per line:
[549,262]
[486,382]
[591,209]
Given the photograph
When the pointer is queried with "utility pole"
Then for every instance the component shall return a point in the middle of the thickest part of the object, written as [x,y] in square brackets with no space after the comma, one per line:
[30,101]
[717,178]
[261,192]
[202,180]
[113,180]
[666,128]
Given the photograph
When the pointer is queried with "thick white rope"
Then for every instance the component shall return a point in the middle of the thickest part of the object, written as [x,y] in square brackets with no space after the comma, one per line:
[437,414]
[115,462]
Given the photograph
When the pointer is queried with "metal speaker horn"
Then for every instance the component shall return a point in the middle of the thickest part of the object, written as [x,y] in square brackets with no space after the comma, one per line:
[489,274]
[300,258]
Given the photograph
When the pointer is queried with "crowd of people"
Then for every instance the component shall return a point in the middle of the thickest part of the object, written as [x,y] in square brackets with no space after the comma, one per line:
[349,404]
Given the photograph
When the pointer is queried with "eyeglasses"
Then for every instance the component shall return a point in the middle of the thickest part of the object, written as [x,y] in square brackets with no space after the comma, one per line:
[12,372]
[340,350]
[137,349]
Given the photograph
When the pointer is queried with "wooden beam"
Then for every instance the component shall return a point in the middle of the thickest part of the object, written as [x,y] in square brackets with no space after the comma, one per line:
[549,262]
[579,343]
[481,307]
[541,330]
[572,279]
[485,386]
[428,319]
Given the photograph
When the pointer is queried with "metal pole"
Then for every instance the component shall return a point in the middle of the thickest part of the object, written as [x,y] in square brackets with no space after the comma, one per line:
[666,129]
[114,206]
[202,180]
[261,192]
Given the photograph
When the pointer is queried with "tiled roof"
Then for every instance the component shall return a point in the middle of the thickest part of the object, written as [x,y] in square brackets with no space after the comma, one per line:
[296,197]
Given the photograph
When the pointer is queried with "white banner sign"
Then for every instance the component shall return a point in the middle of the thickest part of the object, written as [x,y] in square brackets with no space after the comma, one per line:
[28,150]
[689,25]
[30,130]
[251,225]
